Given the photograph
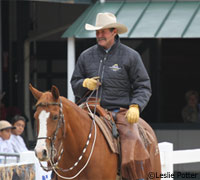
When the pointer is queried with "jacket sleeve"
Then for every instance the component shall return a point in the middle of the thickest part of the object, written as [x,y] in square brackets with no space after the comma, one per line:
[140,83]
[78,78]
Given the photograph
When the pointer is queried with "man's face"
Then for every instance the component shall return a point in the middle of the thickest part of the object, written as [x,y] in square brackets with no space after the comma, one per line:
[105,37]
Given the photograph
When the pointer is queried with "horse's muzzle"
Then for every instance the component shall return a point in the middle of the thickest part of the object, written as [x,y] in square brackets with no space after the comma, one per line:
[42,154]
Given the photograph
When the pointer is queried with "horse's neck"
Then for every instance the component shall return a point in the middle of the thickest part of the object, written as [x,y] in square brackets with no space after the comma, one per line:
[77,124]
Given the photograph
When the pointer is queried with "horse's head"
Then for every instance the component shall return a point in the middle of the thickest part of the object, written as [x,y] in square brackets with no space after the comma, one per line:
[50,121]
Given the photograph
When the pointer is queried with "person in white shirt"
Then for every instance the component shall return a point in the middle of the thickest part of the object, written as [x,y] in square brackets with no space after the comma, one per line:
[5,142]
[17,141]
[5,133]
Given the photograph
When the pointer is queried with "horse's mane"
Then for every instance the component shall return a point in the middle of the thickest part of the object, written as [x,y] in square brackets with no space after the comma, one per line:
[68,102]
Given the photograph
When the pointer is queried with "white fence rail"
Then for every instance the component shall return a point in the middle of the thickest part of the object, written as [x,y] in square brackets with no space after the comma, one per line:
[169,158]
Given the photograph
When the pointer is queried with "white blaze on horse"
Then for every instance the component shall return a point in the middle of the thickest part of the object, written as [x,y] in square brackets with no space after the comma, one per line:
[41,146]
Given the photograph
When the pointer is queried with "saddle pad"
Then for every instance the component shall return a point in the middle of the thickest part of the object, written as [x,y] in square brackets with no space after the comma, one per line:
[112,142]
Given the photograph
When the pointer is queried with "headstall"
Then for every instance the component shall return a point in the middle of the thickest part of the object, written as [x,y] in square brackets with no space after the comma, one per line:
[52,138]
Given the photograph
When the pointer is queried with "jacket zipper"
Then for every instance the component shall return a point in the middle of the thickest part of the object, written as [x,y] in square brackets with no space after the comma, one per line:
[99,70]
[102,73]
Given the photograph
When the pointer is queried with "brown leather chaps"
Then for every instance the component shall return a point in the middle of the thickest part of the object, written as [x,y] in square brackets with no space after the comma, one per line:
[135,159]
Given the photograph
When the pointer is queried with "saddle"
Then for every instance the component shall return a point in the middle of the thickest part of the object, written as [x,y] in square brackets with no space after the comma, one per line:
[94,104]
[134,140]
[104,120]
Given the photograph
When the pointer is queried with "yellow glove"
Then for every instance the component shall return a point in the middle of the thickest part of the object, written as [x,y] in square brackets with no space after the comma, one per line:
[133,113]
[91,83]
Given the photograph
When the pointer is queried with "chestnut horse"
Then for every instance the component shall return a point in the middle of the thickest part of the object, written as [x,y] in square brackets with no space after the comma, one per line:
[69,140]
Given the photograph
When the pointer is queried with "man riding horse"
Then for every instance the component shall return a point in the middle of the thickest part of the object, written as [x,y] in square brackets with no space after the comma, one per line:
[123,86]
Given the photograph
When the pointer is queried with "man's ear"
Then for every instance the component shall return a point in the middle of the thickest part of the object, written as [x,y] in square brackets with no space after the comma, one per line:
[115,32]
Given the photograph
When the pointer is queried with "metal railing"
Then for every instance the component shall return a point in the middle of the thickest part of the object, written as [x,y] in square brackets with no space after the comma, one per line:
[9,157]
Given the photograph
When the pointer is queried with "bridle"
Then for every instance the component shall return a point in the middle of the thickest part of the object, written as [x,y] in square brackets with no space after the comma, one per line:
[52,138]
[61,121]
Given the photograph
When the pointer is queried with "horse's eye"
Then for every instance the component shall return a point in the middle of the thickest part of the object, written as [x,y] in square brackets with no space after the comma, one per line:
[55,117]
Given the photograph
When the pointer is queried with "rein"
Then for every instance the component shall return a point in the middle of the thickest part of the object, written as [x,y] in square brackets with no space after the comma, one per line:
[84,150]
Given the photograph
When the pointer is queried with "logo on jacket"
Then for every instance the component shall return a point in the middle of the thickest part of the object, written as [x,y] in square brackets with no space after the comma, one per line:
[115,67]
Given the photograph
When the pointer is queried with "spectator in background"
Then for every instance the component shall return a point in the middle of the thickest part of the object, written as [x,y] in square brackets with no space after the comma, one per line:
[191,112]
[5,133]
[19,123]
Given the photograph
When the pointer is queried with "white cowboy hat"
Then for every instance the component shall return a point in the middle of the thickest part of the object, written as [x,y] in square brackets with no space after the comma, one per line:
[106,20]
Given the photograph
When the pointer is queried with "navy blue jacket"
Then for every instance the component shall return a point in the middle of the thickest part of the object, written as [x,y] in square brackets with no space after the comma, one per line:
[122,74]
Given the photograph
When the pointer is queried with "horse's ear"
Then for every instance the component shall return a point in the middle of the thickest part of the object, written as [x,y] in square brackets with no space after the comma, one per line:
[55,92]
[37,94]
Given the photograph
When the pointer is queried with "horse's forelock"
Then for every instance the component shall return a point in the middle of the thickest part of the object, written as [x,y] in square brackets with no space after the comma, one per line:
[45,98]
